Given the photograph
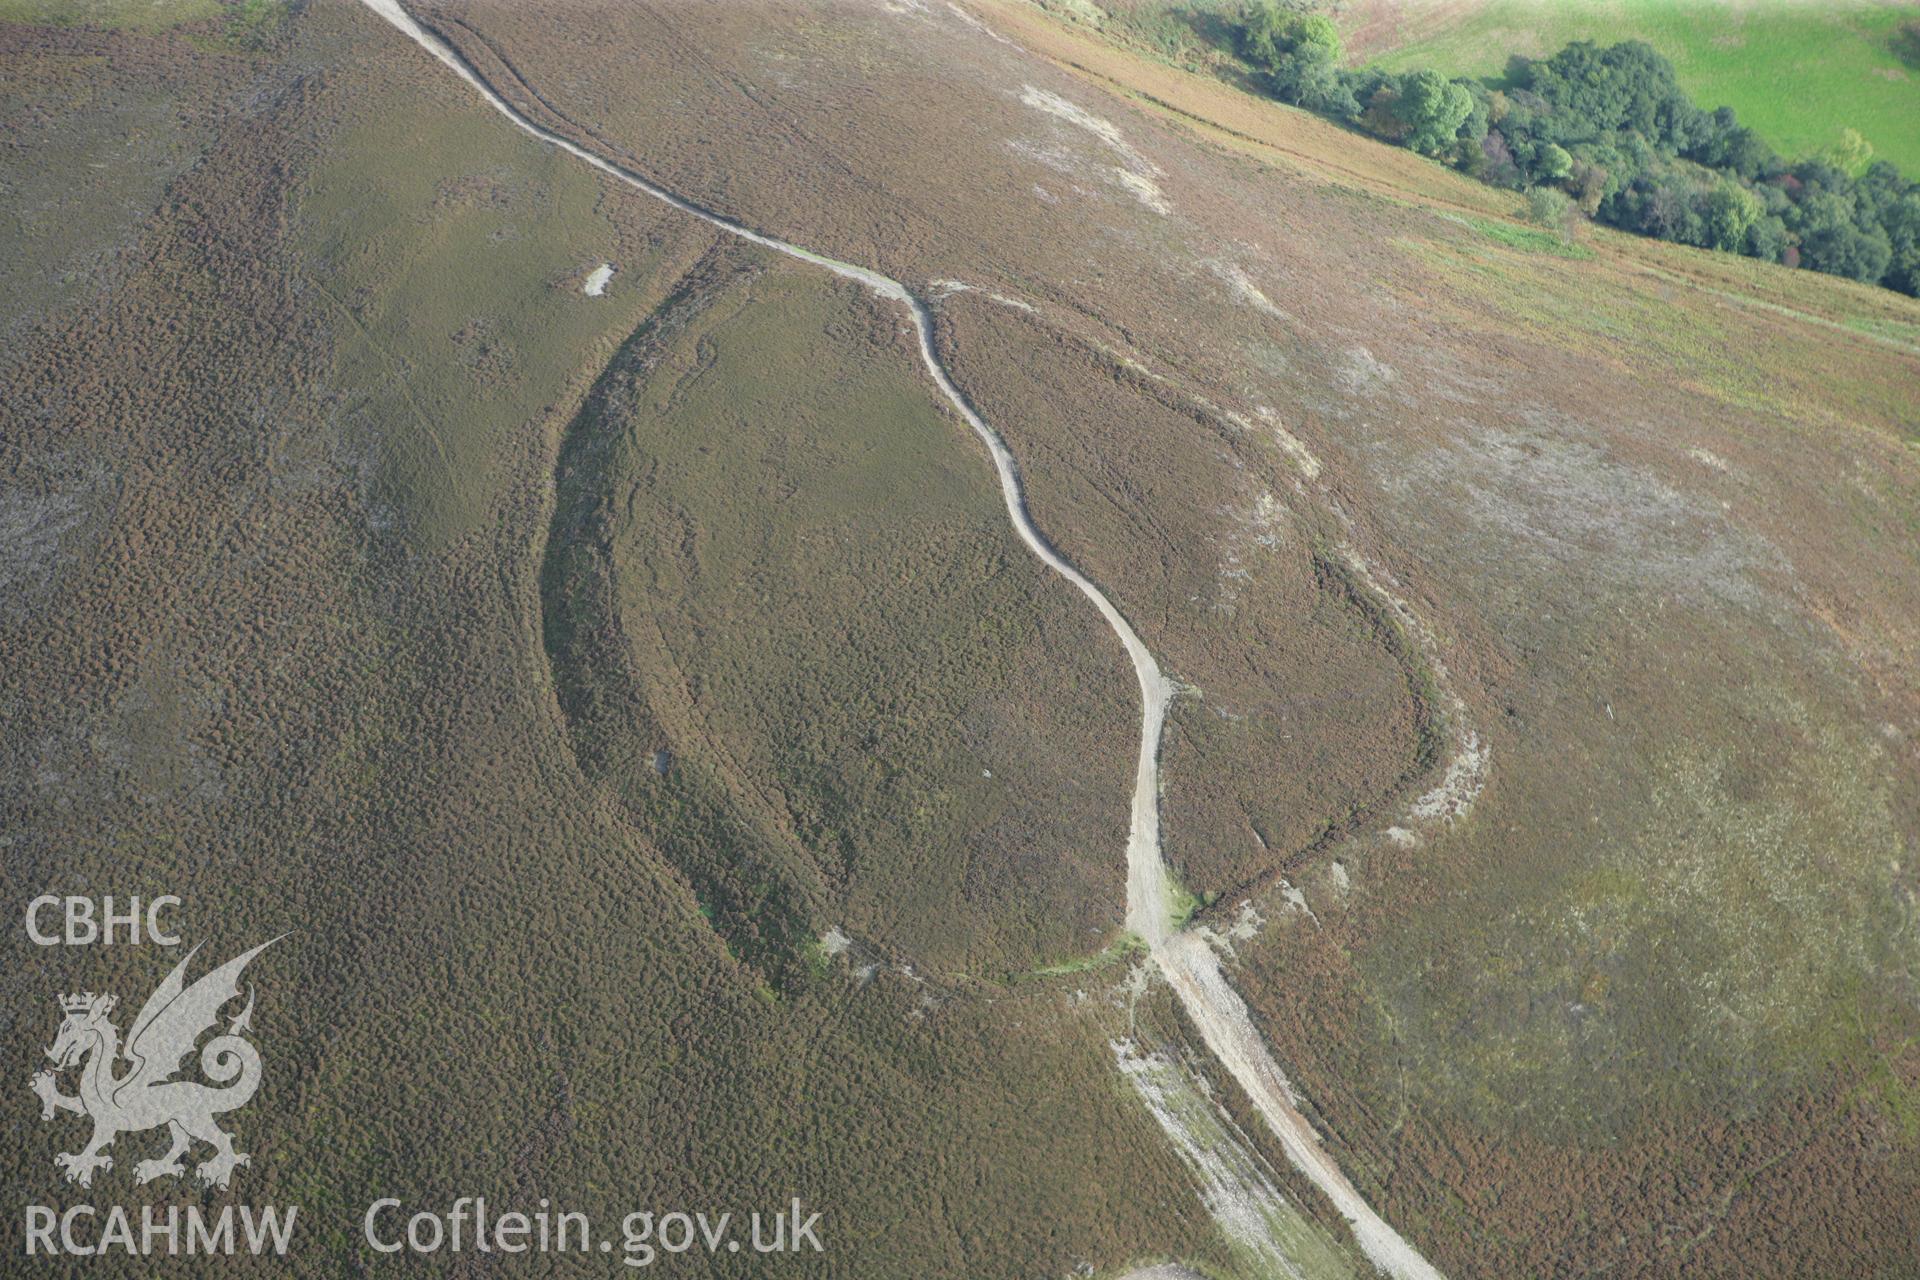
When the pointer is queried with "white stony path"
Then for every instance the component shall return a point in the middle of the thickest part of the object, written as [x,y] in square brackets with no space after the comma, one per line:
[1191,966]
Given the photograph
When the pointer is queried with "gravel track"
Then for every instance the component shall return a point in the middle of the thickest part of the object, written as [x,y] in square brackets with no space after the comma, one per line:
[1190,965]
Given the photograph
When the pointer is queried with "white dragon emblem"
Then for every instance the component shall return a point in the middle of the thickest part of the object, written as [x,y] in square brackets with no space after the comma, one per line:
[146,1096]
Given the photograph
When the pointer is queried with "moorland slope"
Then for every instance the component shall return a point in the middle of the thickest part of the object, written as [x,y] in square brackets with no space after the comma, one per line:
[607,685]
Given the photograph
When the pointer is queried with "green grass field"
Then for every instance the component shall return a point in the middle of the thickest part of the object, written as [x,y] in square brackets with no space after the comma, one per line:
[1796,73]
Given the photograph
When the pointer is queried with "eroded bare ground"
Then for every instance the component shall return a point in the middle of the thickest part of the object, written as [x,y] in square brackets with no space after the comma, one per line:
[1641,505]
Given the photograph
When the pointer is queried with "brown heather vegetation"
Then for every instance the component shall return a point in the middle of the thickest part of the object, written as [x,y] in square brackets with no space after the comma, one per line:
[1656,505]
[329,624]
[1304,714]
[759,513]
[274,643]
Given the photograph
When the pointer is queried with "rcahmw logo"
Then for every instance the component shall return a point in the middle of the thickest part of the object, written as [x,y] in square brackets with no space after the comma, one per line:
[132,1086]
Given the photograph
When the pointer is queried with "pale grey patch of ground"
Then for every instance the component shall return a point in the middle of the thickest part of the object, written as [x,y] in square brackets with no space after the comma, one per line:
[1246,925]
[32,528]
[1295,900]
[1135,173]
[982,27]
[1551,502]
[1295,448]
[147,742]
[1243,288]
[940,290]
[1263,524]
[1362,373]
[1268,1234]
[1471,760]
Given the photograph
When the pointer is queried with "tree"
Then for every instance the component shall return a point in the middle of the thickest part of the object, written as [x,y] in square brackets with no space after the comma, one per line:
[1495,163]
[1768,239]
[1727,144]
[1902,222]
[1431,109]
[1611,127]
[1314,32]
[1316,85]
[1750,157]
[1881,187]
[1906,44]
[1298,56]
[1588,183]
[1549,207]
[1729,213]
[1851,154]
[1662,205]
[1262,43]
[1593,91]
[1845,250]
[1552,163]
